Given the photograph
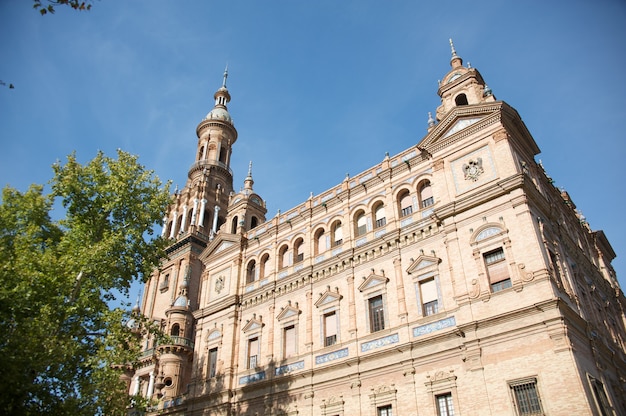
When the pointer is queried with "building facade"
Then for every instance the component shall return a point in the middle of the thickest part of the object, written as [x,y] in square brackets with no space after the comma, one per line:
[451,279]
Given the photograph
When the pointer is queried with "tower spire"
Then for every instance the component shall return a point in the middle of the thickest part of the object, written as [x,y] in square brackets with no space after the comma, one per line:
[225,76]
[456,60]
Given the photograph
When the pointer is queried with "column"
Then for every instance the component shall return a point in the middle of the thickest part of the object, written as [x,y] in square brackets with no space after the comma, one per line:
[183,222]
[150,385]
[194,212]
[201,217]
[214,229]
[164,227]
[136,387]
[173,230]
[351,306]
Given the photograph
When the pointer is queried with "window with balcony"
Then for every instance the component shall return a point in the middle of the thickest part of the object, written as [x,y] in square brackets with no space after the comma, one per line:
[425,195]
[379,215]
[376,310]
[360,222]
[251,272]
[429,296]
[497,270]
[298,250]
[330,328]
[405,203]
[337,234]
[253,352]
[289,342]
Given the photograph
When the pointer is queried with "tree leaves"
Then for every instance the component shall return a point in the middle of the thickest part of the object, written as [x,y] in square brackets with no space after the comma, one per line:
[74,4]
[58,337]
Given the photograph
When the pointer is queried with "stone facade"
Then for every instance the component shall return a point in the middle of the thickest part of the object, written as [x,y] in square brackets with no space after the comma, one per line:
[450,279]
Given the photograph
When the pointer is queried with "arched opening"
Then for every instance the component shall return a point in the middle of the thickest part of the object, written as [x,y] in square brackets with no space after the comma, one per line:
[405,203]
[254,221]
[461,99]
[379,215]
[283,257]
[425,194]
[320,241]
[265,261]
[223,155]
[175,331]
[233,225]
[298,250]
[360,223]
[337,234]
[251,272]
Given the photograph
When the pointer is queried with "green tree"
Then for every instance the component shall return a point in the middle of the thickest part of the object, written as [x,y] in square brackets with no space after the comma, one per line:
[59,338]
[48,6]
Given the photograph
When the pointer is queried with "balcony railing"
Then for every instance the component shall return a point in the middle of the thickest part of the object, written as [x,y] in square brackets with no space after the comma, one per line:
[202,163]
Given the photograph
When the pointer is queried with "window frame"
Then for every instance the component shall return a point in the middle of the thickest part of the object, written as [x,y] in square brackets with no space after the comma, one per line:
[492,268]
[524,404]
[448,401]
[376,313]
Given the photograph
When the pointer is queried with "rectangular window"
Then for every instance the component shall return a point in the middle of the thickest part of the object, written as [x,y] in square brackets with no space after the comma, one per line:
[526,398]
[377,313]
[430,299]
[445,407]
[253,352]
[330,329]
[289,341]
[384,411]
[212,362]
[497,270]
[601,398]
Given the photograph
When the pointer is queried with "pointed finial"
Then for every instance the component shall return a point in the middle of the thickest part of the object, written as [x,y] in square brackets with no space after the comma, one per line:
[225,76]
[454,55]
[431,120]
[250,169]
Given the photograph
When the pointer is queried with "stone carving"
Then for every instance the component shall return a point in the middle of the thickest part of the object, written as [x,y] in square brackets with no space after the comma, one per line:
[473,169]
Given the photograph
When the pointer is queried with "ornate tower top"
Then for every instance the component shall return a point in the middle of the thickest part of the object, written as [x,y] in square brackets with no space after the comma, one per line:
[222,97]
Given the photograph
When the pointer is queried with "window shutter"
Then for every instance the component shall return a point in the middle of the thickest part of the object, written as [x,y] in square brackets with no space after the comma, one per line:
[428,290]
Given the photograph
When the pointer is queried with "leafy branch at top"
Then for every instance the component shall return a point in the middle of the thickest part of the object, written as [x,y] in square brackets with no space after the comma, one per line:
[49,8]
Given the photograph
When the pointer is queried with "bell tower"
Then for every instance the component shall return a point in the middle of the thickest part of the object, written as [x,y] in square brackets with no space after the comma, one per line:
[172,294]
[462,85]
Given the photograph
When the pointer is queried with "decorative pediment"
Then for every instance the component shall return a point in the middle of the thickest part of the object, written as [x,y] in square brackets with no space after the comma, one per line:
[220,244]
[328,298]
[460,124]
[289,312]
[373,281]
[254,324]
[423,264]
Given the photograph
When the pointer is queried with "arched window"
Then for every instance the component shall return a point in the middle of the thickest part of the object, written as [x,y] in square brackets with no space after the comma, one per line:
[461,99]
[425,195]
[251,272]
[405,203]
[223,155]
[200,153]
[298,250]
[179,224]
[206,220]
[283,257]
[337,234]
[175,331]
[320,241]
[360,222]
[265,261]
[233,225]
[189,215]
[254,221]
[379,215]
[168,230]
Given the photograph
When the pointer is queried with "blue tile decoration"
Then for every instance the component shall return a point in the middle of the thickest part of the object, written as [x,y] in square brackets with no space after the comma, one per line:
[335,355]
[434,326]
[380,342]
[288,368]
[252,378]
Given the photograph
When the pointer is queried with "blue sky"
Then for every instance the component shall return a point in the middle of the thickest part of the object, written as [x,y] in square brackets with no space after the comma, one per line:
[311,82]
